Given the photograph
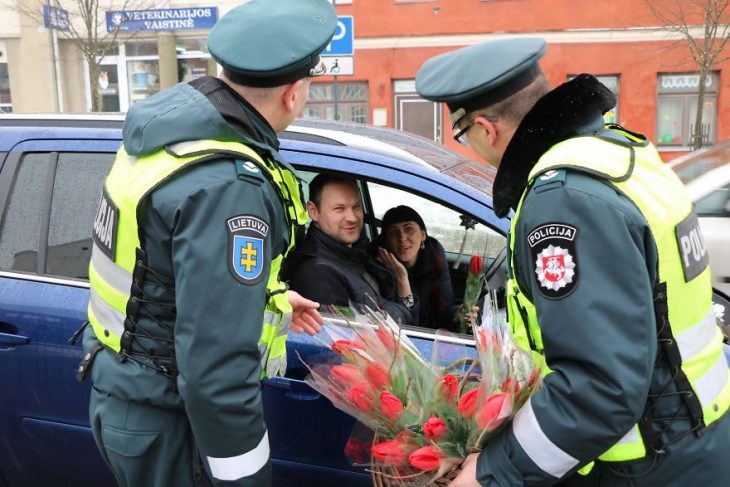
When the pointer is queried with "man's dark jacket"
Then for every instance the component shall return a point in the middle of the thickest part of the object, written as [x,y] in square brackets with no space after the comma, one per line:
[326,271]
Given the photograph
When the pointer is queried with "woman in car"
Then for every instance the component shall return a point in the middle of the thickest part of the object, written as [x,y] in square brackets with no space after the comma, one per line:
[413,257]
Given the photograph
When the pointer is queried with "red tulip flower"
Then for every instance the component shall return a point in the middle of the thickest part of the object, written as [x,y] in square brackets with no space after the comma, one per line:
[449,387]
[360,397]
[390,452]
[348,374]
[468,403]
[357,449]
[511,386]
[494,411]
[386,338]
[426,458]
[377,375]
[534,376]
[472,290]
[346,347]
[475,265]
[390,405]
[434,428]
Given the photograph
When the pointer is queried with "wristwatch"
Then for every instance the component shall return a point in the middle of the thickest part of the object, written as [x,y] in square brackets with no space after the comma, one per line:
[408,301]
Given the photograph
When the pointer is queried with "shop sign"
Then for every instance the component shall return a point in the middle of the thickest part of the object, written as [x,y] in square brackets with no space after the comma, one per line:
[161,19]
[55,18]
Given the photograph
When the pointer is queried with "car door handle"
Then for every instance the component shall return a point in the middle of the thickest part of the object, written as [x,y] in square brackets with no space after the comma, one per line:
[13,340]
[295,389]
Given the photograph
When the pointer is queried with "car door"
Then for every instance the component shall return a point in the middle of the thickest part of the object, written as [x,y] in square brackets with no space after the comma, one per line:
[307,434]
[48,193]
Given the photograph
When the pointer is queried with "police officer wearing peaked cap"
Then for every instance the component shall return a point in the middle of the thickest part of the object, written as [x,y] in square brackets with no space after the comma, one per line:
[187,311]
[601,289]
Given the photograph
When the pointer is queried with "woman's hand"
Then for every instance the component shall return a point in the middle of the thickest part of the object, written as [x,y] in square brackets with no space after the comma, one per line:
[395,266]
[399,271]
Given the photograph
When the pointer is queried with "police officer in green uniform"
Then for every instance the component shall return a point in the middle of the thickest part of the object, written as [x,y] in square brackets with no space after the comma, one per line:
[608,283]
[186,309]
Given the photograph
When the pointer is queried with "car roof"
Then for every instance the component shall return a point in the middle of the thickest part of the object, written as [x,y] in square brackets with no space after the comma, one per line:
[400,150]
[696,164]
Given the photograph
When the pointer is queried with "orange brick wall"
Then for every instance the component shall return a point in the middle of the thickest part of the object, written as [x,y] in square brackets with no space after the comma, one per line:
[636,63]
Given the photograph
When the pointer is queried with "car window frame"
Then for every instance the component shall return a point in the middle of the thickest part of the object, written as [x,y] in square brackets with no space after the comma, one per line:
[366,170]
[12,164]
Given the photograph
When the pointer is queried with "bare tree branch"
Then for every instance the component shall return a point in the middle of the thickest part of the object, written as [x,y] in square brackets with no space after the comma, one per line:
[87,29]
[683,17]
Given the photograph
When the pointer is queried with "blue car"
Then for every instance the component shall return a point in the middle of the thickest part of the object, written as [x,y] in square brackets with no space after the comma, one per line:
[51,172]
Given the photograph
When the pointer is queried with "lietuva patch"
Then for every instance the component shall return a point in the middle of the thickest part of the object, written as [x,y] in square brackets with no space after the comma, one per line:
[246,239]
[104,231]
[691,247]
[552,246]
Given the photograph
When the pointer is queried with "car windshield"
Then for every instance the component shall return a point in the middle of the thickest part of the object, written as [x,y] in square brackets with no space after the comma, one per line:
[696,165]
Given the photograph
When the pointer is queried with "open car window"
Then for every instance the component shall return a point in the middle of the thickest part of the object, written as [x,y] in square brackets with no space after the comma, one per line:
[460,234]
[453,229]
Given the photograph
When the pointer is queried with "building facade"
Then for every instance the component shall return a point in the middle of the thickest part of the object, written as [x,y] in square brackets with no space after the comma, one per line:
[648,67]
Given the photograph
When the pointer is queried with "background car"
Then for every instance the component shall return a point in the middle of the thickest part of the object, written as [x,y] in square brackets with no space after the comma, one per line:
[51,173]
[706,174]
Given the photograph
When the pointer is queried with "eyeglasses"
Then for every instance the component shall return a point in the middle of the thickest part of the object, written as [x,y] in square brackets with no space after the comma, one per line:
[460,134]
[319,70]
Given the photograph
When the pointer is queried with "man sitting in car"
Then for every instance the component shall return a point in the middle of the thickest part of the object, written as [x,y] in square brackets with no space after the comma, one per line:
[332,265]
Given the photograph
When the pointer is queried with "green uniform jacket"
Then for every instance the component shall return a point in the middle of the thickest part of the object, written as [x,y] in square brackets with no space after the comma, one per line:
[213,320]
[600,337]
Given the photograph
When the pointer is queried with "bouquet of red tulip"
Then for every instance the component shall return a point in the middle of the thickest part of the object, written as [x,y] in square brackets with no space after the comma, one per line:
[424,416]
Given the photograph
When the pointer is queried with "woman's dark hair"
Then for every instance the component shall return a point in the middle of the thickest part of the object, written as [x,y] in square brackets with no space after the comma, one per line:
[400,214]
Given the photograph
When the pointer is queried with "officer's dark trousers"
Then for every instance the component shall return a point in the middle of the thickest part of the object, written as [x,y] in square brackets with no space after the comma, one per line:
[144,445]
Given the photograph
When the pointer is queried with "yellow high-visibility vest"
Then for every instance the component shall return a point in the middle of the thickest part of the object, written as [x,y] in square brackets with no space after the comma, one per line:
[114,257]
[637,171]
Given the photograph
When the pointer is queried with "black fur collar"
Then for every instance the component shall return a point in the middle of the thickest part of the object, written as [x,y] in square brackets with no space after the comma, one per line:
[573,108]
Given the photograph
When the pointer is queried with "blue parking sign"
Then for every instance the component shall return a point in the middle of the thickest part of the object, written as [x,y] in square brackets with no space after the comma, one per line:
[342,41]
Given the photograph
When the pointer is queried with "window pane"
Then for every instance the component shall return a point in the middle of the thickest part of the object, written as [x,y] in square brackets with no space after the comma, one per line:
[716,203]
[141,48]
[109,88]
[191,45]
[143,78]
[358,113]
[708,119]
[20,230]
[4,85]
[73,210]
[352,102]
[669,120]
[320,92]
[190,69]
[442,223]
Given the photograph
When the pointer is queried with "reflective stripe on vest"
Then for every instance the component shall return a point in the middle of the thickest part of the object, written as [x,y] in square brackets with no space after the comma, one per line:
[640,175]
[130,180]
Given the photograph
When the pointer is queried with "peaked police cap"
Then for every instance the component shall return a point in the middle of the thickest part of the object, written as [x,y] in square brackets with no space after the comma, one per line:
[272,42]
[480,75]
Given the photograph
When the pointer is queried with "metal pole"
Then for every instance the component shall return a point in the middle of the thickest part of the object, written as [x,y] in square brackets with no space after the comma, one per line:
[54,55]
[335,90]
[57,71]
